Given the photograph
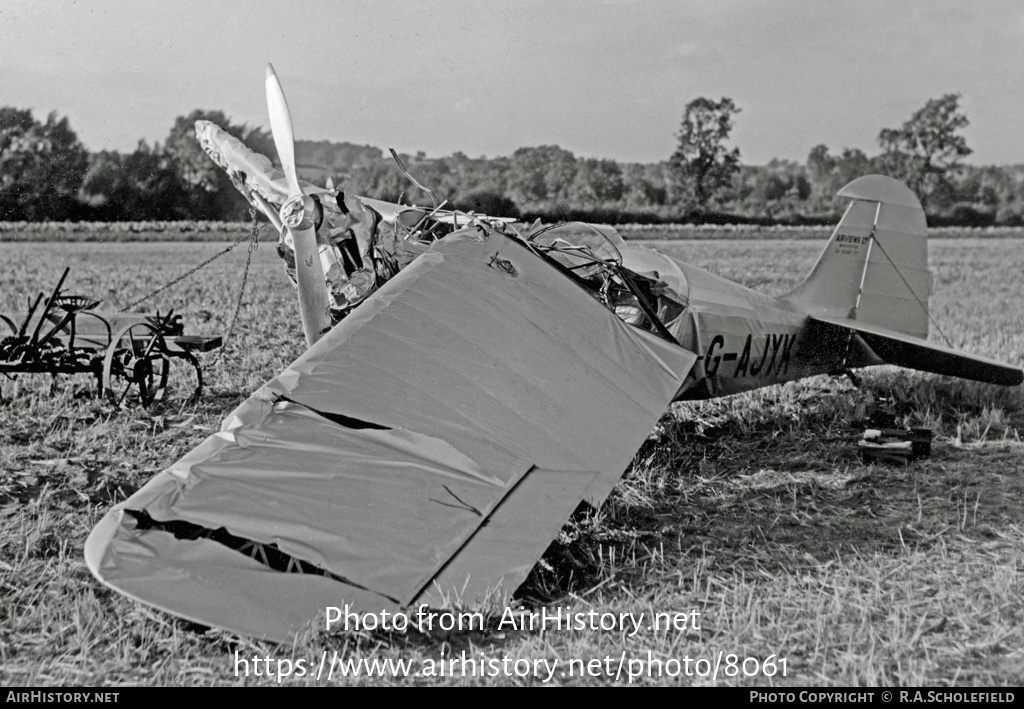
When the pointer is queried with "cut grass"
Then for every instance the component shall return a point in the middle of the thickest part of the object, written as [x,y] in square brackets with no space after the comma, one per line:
[754,510]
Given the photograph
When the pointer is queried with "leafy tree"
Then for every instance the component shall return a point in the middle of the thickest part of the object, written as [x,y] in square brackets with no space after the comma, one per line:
[41,166]
[104,179]
[770,186]
[380,179]
[821,169]
[490,203]
[142,185]
[596,183]
[801,187]
[990,186]
[644,185]
[827,174]
[472,175]
[702,164]
[540,175]
[926,147]
[853,163]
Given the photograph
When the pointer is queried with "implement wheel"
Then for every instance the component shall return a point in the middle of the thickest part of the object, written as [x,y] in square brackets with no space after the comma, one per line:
[136,365]
[187,378]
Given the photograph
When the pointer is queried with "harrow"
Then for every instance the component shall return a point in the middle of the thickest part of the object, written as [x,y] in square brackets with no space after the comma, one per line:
[129,354]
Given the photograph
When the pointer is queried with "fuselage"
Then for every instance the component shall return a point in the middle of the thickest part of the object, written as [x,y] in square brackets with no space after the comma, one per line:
[744,339]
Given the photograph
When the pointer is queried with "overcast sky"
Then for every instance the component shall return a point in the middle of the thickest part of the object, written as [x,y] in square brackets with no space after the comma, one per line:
[603,78]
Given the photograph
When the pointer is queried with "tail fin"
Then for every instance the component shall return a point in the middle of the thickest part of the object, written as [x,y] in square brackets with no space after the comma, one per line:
[875,267]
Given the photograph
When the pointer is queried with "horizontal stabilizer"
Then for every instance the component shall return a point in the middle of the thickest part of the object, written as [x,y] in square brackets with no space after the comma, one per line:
[914,353]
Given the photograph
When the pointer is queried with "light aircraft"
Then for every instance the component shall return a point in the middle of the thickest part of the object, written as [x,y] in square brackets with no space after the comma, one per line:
[482,381]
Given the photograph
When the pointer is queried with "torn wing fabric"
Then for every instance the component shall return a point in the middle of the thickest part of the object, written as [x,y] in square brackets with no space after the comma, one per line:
[427,449]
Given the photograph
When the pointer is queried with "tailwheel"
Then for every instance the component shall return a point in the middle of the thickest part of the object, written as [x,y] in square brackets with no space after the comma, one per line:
[136,365]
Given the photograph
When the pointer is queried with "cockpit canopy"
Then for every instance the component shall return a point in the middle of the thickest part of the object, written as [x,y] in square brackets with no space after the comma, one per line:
[594,254]
[580,247]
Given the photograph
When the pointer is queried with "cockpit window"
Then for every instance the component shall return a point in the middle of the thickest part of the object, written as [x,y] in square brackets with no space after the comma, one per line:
[593,254]
[579,247]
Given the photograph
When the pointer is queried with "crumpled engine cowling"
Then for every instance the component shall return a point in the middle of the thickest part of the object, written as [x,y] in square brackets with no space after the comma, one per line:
[346,230]
[346,237]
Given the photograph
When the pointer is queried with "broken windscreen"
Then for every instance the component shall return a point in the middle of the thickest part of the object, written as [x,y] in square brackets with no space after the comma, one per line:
[593,254]
[582,248]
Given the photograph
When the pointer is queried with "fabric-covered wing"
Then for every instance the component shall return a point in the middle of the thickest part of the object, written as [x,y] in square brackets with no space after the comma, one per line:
[426,450]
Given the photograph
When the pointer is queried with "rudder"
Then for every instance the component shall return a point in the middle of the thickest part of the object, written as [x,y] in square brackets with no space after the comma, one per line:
[874,269]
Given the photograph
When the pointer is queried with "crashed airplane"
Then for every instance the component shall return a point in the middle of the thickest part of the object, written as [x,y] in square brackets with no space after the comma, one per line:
[467,385]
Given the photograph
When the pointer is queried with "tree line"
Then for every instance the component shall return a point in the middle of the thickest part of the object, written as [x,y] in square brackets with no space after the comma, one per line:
[46,174]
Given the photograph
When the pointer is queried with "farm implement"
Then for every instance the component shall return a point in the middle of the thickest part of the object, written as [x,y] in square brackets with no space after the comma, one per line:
[129,354]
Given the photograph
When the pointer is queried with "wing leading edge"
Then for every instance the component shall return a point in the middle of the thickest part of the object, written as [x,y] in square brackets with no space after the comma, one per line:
[426,450]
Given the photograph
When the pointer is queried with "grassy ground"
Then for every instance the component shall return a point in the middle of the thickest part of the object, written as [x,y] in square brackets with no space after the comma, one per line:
[755,511]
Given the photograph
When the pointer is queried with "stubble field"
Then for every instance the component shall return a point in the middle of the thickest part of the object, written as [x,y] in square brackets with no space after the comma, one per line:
[755,511]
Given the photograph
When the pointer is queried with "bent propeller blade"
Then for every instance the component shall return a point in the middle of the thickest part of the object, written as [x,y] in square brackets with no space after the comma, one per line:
[297,217]
[281,128]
